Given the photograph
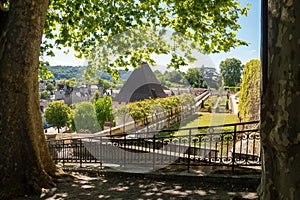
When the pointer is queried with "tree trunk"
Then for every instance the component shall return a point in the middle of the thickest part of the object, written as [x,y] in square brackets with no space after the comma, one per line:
[280,109]
[25,162]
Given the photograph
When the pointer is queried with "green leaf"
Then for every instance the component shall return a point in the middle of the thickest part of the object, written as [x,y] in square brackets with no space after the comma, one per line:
[134,29]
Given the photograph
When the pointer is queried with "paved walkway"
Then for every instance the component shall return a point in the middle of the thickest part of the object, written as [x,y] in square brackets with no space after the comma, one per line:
[234,104]
[169,183]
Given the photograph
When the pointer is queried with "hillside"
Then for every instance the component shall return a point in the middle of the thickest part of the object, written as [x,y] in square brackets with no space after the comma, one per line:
[68,72]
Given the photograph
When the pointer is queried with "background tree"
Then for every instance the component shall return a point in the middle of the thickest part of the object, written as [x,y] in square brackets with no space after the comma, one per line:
[231,71]
[160,77]
[57,114]
[104,84]
[212,78]
[195,78]
[103,107]
[249,97]
[280,109]
[66,82]
[81,26]
[67,72]
[85,119]
[50,87]
[71,82]
[44,95]
[173,77]
[96,96]
[121,113]
[170,78]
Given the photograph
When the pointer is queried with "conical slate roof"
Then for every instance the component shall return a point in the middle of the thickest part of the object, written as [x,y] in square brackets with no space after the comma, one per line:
[142,84]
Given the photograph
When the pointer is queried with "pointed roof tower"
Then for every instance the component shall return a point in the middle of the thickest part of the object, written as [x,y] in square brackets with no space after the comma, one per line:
[142,84]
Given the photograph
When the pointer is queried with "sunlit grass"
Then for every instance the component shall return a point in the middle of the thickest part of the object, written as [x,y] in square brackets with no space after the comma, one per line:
[211,119]
[207,119]
[201,120]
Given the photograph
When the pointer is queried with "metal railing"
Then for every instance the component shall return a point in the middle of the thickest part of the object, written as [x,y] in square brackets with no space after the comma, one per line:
[223,145]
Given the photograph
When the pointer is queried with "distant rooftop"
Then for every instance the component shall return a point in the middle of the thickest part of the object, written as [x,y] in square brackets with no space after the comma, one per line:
[142,84]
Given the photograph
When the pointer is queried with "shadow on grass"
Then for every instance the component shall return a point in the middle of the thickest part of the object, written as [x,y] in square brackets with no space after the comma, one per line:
[186,121]
[176,126]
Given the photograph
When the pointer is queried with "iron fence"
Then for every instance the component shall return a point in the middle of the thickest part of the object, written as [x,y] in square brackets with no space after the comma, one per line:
[223,145]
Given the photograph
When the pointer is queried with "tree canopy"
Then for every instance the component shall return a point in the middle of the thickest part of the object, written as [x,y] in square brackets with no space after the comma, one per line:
[85,119]
[66,72]
[103,107]
[195,77]
[50,87]
[212,78]
[104,84]
[57,114]
[100,29]
[231,71]
[45,95]
[171,78]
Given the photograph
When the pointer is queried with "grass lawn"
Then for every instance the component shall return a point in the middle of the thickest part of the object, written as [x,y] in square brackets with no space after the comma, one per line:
[214,101]
[206,119]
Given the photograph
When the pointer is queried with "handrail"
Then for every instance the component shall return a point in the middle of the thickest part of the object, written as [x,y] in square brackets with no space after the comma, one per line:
[170,130]
[231,148]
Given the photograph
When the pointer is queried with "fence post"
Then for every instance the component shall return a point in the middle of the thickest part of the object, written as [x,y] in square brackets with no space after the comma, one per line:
[233,149]
[124,151]
[63,151]
[153,164]
[80,153]
[99,152]
[189,150]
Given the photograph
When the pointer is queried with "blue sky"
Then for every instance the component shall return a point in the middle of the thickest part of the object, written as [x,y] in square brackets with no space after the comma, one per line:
[250,32]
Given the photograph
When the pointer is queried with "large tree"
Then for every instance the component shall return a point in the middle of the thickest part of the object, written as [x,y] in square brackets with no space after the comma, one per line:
[280,109]
[231,71]
[25,163]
